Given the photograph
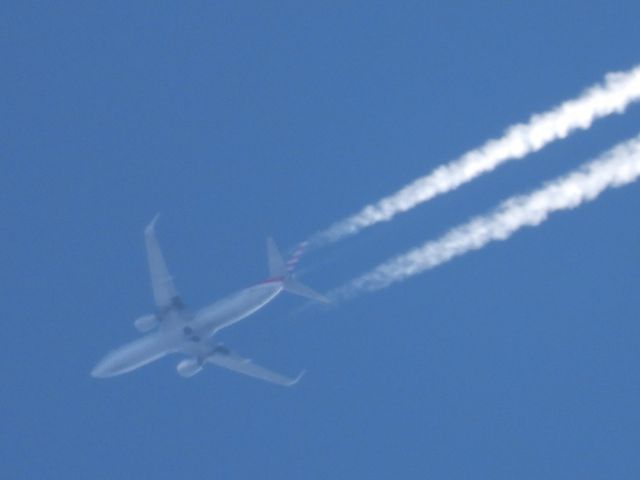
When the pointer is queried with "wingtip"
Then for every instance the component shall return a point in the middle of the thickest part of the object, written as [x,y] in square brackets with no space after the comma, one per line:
[152,225]
[271,243]
[297,379]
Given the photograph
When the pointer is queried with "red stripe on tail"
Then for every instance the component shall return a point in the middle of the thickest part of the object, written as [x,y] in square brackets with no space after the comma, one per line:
[295,256]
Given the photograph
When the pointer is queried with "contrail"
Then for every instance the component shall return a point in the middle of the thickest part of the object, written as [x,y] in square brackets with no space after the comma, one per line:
[618,90]
[618,166]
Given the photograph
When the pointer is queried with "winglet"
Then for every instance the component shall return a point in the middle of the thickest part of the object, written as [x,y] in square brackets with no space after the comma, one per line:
[152,225]
[297,379]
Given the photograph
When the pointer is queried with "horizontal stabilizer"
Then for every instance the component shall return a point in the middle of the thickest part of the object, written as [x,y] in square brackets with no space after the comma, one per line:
[292,285]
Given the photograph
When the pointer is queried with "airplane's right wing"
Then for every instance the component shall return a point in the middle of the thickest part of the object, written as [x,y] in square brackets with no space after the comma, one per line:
[222,357]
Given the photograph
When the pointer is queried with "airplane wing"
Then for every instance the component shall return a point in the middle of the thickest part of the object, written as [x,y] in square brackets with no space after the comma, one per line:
[164,292]
[222,357]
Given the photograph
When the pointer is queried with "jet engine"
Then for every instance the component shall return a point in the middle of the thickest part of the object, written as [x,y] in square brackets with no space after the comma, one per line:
[146,323]
[189,367]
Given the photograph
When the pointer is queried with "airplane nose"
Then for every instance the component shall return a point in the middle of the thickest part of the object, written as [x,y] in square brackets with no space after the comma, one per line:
[99,371]
[103,369]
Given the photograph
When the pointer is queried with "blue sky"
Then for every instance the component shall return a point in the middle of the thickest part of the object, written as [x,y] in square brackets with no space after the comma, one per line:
[237,120]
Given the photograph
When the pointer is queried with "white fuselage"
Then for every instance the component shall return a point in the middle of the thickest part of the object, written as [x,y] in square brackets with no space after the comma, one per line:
[235,307]
[184,333]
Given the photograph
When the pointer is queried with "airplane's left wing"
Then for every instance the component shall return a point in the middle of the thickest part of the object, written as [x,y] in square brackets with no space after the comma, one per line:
[222,357]
[164,291]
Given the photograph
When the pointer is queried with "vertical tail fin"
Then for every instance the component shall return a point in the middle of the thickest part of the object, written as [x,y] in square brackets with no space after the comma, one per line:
[278,268]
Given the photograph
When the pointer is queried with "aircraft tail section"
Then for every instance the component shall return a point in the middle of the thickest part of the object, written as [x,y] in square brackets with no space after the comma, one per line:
[277,265]
[292,285]
[278,268]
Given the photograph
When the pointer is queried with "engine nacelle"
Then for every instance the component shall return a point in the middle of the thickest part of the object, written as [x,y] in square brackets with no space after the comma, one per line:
[189,367]
[146,323]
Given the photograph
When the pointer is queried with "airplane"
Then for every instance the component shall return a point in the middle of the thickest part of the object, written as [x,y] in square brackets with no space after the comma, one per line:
[173,329]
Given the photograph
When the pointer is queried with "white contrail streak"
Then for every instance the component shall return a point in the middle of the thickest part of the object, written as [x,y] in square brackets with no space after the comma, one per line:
[618,90]
[619,166]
